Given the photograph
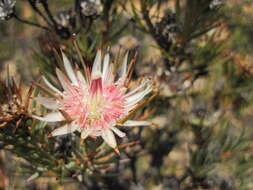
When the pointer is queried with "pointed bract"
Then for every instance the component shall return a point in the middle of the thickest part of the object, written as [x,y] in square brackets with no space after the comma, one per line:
[96,69]
[68,128]
[69,70]
[106,68]
[131,123]
[84,134]
[63,80]
[51,117]
[118,132]
[49,103]
[123,70]
[109,138]
[51,86]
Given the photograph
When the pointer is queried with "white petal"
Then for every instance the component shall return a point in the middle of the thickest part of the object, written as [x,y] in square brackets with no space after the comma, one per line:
[96,69]
[118,132]
[69,70]
[106,67]
[134,99]
[109,77]
[51,117]
[96,133]
[131,123]
[51,86]
[137,89]
[109,138]
[123,69]
[85,134]
[138,95]
[63,79]
[81,79]
[69,128]
[49,103]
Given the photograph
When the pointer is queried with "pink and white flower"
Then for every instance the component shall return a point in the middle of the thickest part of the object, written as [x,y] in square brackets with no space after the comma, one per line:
[95,104]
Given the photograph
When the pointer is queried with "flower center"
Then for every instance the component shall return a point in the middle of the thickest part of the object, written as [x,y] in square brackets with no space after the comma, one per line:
[95,106]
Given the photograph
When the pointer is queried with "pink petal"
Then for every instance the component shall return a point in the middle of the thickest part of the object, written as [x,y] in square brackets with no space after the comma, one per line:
[96,86]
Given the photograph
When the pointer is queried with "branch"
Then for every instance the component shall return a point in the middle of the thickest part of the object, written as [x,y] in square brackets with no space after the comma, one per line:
[49,14]
[39,12]
[159,39]
[30,23]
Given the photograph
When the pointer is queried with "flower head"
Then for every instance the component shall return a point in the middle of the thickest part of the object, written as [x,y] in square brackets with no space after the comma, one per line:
[6,8]
[65,18]
[215,4]
[96,103]
[91,7]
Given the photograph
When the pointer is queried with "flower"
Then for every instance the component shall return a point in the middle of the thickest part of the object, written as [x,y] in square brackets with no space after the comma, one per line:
[216,3]
[65,18]
[91,7]
[6,8]
[94,104]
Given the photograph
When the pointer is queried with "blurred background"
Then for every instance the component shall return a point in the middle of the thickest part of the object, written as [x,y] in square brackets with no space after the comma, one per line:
[197,52]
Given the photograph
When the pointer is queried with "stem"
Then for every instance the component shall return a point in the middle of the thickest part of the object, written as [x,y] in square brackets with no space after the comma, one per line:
[106,21]
[118,32]
[146,17]
[62,31]
[30,23]
[50,16]
[158,38]
[40,13]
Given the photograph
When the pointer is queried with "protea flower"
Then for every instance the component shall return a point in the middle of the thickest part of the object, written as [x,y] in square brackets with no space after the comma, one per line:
[91,8]
[94,104]
[6,8]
